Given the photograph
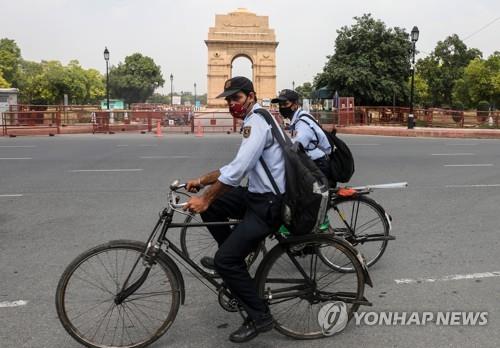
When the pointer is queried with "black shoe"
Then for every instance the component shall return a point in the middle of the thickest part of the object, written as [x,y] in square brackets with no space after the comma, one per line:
[250,329]
[208,262]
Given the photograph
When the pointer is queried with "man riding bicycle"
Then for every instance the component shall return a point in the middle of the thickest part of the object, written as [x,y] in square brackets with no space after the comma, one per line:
[258,205]
[305,131]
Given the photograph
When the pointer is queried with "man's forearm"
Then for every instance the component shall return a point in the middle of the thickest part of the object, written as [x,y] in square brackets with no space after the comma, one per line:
[216,190]
[210,178]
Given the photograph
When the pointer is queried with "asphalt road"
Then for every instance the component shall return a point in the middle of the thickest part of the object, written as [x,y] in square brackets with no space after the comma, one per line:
[54,205]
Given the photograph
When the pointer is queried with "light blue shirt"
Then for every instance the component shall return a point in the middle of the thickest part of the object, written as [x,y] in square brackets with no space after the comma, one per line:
[306,133]
[257,141]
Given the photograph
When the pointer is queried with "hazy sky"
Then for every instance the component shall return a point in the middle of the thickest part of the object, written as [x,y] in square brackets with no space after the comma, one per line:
[172,32]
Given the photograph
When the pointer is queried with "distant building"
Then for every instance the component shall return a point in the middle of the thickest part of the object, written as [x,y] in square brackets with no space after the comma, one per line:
[8,97]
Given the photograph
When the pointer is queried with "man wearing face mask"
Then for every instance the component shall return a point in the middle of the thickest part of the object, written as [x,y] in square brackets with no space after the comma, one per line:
[258,205]
[305,130]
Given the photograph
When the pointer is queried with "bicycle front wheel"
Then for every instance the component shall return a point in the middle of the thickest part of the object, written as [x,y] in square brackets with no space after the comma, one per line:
[363,223]
[85,297]
[297,284]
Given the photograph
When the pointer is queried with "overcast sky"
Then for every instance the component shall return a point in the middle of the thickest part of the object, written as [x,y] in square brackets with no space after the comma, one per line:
[172,32]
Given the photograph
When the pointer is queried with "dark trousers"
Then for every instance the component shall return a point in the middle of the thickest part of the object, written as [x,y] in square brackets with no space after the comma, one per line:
[260,214]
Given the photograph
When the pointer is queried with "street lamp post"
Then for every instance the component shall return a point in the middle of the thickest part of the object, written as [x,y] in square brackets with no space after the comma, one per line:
[171,90]
[195,94]
[106,58]
[414,39]
[293,85]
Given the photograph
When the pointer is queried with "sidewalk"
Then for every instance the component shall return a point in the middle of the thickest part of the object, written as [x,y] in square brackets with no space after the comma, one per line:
[422,132]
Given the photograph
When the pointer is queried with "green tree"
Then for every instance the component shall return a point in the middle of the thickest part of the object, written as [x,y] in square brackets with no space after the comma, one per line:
[479,82]
[371,62]
[83,86]
[305,90]
[3,82]
[47,83]
[10,60]
[421,94]
[31,83]
[95,86]
[444,67]
[136,79]
[493,63]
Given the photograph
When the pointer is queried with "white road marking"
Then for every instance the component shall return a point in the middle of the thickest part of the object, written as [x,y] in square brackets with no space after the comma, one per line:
[160,157]
[449,277]
[15,158]
[453,154]
[105,170]
[7,304]
[12,195]
[21,146]
[469,165]
[479,185]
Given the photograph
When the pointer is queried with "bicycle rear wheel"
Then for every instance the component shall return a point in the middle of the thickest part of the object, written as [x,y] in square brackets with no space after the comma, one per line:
[85,297]
[362,222]
[294,302]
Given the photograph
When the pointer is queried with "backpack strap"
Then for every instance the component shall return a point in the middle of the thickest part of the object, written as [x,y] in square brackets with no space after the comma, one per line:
[269,175]
[314,142]
[282,139]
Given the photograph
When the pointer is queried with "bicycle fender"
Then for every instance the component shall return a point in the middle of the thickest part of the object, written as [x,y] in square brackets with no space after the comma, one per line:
[345,244]
[177,273]
[357,253]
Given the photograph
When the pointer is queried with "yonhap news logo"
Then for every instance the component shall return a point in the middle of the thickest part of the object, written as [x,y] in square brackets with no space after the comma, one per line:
[332,318]
[421,318]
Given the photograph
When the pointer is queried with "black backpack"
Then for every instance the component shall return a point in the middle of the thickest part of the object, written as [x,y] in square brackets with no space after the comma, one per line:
[341,160]
[306,197]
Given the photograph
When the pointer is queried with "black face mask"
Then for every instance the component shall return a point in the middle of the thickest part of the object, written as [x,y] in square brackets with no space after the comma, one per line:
[287,112]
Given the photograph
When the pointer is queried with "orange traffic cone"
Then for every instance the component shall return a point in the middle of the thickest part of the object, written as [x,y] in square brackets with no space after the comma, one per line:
[158,129]
[199,130]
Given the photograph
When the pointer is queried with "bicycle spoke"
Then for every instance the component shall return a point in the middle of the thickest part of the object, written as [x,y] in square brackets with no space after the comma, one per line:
[296,312]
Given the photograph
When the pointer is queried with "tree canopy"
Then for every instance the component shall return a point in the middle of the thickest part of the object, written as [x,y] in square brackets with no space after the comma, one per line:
[10,60]
[371,62]
[47,83]
[444,67]
[136,79]
[305,90]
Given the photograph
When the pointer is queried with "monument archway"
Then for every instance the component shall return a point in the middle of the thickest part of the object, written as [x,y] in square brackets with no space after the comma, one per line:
[241,34]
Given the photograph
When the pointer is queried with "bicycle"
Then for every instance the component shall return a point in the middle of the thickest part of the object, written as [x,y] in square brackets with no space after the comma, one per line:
[105,296]
[361,221]
[351,216]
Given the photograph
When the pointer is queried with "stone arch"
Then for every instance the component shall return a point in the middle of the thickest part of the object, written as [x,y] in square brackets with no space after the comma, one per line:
[241,33]
[238,56]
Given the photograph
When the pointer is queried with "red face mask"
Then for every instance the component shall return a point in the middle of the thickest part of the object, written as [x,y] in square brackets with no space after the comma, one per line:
[238,110]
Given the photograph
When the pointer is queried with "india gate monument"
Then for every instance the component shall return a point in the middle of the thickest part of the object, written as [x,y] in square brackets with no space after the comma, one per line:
[241,33]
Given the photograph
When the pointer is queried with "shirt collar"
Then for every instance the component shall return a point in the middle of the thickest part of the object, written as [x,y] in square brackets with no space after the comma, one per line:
[295,117]
[255,107]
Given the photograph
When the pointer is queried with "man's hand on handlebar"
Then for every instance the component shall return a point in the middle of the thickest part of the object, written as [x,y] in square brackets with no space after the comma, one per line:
[197,204]
[194,185]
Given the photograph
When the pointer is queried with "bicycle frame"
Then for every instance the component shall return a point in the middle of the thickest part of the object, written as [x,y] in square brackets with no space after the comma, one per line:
[161,228]
[165,222]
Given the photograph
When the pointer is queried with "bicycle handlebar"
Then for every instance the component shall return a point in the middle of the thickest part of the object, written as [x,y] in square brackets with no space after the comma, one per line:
[174,186]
